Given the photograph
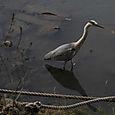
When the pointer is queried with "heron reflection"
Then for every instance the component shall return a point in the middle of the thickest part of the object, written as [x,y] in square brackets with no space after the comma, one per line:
[68,80]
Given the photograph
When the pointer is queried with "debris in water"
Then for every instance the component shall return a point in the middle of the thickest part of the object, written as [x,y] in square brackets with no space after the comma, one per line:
[12,23]
[113,32]
[49,13]
[11,30]
[31,43]
[53,14]
[56,27]
[27,59]
[68,19]
[106,82]
[91,50]
[8,43]
[20,37]
[74,64]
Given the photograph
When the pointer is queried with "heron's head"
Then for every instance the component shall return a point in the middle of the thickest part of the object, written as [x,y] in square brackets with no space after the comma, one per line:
[94,23]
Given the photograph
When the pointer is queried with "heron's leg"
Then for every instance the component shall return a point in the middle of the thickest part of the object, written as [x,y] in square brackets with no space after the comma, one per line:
[72,65]
[64,65]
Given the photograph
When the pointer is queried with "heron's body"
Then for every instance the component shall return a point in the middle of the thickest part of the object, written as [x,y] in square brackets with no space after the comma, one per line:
[65,54]
[67,51]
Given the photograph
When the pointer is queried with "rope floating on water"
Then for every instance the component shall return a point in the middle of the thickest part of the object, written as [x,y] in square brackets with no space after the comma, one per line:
[52,95]
[40,105]
[46,94]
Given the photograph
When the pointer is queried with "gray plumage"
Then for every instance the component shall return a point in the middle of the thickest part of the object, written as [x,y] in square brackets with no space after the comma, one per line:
[62,53]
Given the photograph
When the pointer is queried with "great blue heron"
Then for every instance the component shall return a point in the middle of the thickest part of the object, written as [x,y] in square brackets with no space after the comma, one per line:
[66,52]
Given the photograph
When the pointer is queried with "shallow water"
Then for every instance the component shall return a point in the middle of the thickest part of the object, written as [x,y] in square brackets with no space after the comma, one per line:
[94,72]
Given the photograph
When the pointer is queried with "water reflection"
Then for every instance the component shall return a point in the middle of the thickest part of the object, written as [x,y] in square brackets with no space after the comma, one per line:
[68,80]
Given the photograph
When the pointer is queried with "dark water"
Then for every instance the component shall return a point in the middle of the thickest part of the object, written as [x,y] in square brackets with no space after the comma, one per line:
[94,72]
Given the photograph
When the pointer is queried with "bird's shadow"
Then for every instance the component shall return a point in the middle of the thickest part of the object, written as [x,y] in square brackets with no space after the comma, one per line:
[68,80]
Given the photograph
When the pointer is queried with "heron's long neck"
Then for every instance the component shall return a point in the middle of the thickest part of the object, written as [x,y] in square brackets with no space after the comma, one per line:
[82,39]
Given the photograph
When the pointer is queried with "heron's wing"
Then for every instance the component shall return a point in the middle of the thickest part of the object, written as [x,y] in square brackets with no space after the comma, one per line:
[64,52]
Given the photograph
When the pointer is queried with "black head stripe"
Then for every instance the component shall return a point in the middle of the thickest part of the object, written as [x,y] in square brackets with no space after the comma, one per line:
[92,22]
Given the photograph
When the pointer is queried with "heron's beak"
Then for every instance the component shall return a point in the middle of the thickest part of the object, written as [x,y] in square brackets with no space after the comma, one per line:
[100,26]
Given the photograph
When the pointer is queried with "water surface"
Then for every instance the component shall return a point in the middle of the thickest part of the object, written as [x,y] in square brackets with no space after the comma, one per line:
[94,72]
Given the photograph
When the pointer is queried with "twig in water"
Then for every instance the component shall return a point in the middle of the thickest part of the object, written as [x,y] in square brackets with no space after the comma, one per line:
[10,28]
[12,21]
[49,13]
[20,37]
